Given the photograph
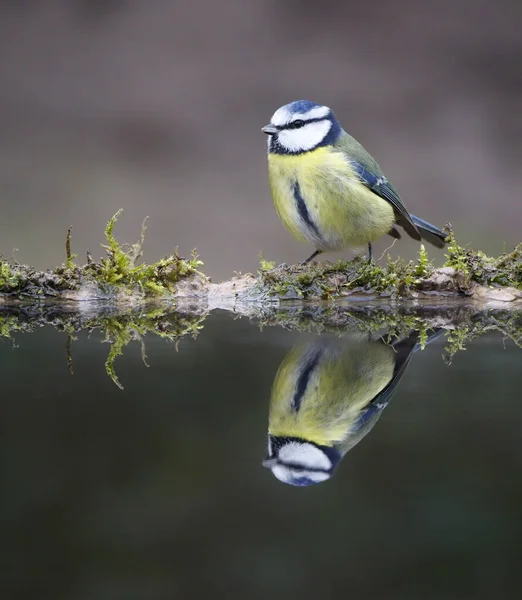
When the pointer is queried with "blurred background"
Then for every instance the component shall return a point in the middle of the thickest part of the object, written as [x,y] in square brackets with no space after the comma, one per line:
[156,107]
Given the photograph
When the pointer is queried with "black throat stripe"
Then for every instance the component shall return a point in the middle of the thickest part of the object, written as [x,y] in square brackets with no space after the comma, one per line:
[303,210]
[304,379]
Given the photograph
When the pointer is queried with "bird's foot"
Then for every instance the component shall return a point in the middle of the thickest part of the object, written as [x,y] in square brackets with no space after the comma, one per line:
[310,258]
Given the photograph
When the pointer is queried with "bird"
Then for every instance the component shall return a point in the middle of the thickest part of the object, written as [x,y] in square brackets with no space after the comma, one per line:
[328,190]
[327,395]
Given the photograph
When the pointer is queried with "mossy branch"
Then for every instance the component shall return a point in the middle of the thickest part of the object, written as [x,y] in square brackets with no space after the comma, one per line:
[120,276]
[117,277]
[465,274]
[121,268]
[470,295]
[477,268]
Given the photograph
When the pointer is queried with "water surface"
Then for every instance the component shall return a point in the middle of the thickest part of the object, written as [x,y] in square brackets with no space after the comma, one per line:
[158,490]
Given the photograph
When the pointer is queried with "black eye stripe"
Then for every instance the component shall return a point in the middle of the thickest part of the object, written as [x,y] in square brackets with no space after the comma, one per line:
[300,123]
[296,124]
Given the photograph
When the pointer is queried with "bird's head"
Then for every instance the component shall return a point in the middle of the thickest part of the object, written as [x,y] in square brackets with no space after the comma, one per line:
[299,462]
[301,126]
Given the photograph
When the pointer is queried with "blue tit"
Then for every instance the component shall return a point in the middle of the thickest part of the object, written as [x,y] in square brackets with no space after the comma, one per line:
[327,189]
[327,395]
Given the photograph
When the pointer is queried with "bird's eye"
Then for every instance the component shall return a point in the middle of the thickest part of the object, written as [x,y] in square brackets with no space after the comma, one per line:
[296,124]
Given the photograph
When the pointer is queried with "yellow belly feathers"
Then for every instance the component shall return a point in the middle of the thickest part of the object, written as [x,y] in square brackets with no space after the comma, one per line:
[343,384]
[320,199]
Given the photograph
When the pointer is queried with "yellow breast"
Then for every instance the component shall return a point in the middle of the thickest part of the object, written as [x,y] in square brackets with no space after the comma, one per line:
[321,200]
[342,384]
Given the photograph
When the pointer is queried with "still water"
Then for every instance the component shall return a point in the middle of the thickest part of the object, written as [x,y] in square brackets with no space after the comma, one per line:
[159,490]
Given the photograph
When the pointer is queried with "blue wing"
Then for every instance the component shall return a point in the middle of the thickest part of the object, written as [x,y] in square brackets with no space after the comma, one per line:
[404,349]
[383,188]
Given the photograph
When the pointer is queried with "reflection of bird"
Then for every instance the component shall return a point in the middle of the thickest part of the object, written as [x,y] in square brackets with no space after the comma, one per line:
[326,397]
[327,189]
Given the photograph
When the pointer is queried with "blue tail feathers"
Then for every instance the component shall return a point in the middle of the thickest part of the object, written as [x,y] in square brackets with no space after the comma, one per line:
[429,232]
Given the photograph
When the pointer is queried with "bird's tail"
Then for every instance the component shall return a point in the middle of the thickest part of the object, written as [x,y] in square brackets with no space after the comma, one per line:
[429,232]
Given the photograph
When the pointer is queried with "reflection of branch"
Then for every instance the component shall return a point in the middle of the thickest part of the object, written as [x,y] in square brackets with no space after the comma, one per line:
[120,331]
[69,356]
[118,326]
[462,321]
[144,352]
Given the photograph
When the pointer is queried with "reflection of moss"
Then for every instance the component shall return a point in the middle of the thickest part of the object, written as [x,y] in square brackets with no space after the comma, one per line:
[463,323]
[118,327]
[335,318]
[119,272]
[509,323]
[119,332]
[9,324]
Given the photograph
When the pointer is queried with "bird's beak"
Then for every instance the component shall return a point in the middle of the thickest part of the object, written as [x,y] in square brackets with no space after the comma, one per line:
[268,463]
[269,129]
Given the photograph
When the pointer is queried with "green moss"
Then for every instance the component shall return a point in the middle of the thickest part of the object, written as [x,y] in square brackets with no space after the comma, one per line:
[325,280]
[121,268]
[396,278]
[9,279]
[121,276]
[265,265]
[69,256]
[119,272]
[476,267]
[423,267]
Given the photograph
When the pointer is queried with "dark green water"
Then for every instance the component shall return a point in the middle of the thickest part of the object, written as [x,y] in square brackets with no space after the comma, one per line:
[158,491]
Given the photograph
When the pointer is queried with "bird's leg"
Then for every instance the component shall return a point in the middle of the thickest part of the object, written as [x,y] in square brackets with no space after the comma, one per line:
[370,252]
[311,257]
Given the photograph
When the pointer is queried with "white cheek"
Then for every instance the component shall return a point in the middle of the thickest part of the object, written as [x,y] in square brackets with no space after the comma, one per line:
[287,475]
[305,138]
[305,455]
